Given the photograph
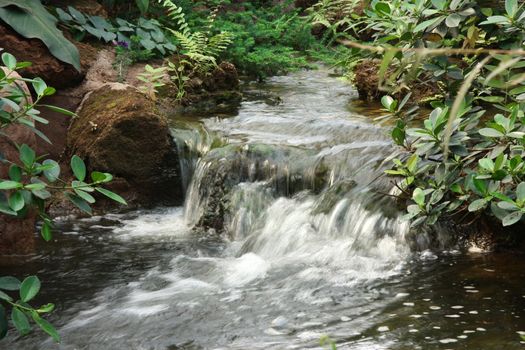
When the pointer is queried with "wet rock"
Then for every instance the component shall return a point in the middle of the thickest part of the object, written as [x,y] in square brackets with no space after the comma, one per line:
[333,195]
[44,65]
[16,234]
[471,232]
[224,77]
[118,130]
[286,170]
[221,86]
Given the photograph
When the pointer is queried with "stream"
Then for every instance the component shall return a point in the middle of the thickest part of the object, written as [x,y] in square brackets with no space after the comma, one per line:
[313,246]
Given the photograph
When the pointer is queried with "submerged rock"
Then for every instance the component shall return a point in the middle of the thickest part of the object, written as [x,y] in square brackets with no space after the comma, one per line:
[118,130]
[286,170]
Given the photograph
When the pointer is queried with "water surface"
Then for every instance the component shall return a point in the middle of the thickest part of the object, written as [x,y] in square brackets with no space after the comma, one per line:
[312,247]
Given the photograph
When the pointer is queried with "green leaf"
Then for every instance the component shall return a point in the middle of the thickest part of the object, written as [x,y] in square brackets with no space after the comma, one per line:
[9,283]
[387,58]
[382,7]
[27,155]
[101,177]
[487,11]
[490,132]
[77,15]
[477,205]
[85,196]
[387,102]
[419,197]
[63,15]
[29,288]
[507,206]
[32,20]
[439,4]
[412,163]
[453,20]
[46,326]
[46,231]
[35,186]
[480,185]
[46,308]
[456,188]
[486,164]
[15,173]
[16,201]
[496,20]
[53,172]
[398,135]
[511,6]
[20,321]
[9,185]
[39,86]
[426,24]
[9,60]
[5,297]
[512,218]
[79,203]
[78,167]
[4,208]
[59,110]
[112,195]
[520,192]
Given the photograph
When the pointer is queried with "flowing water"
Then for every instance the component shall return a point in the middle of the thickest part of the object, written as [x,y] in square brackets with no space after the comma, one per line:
[312,246]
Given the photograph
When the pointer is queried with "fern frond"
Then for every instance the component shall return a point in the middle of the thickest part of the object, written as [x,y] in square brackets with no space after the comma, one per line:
[219,43]
[176,14]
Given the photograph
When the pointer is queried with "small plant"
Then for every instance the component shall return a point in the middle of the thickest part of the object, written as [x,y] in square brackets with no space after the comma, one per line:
[32,180]
[123,59]
[203,50]
[152,79]
[21,311]
[145,34]
[179,76]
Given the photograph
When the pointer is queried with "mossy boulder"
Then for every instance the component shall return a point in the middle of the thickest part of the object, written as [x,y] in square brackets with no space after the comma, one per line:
[118,130]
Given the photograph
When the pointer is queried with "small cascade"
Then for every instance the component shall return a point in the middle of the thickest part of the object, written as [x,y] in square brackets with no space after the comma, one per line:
[289,184]
[192,142]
